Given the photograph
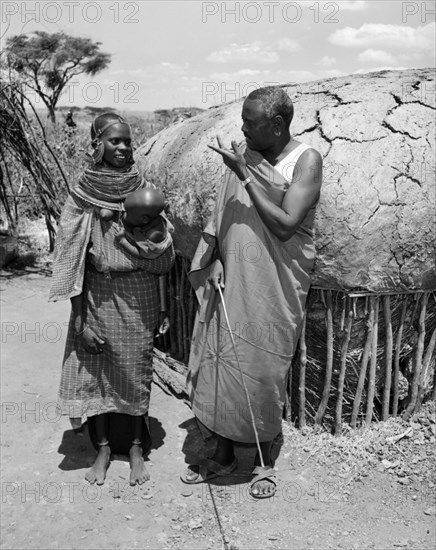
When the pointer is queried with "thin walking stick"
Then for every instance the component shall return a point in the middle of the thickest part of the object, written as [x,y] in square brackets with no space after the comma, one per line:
[242,378]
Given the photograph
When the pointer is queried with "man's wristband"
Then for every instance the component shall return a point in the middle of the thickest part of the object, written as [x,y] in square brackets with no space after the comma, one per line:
[245,182]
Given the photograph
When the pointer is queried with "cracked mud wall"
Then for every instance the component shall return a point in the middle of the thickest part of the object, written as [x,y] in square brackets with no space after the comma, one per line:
[375,223]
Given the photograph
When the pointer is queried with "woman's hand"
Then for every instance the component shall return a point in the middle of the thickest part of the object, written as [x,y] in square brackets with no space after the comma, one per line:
[164,323]
[233,158]
[91,342]
[216,277]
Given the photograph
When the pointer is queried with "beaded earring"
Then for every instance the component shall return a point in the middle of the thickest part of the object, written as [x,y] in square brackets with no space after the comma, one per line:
[98,151]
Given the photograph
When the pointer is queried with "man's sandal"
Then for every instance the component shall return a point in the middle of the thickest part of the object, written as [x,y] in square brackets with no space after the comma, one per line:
[206,470]
[267,473]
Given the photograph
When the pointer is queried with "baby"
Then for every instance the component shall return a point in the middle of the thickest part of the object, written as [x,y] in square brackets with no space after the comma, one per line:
[146,233]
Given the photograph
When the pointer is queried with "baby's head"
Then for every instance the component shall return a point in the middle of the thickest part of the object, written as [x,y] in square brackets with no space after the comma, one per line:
[142,206]
[111,141]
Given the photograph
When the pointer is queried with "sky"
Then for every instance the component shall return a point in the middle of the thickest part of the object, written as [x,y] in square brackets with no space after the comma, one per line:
[168,53]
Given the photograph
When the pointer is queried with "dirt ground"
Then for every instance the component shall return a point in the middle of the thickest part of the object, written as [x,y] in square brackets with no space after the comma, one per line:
[328,497]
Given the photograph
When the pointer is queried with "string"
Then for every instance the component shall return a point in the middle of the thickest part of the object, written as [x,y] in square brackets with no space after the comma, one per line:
[242,378]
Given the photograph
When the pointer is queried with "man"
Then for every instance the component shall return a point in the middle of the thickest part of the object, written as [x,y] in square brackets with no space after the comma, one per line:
[258,248]
[69,120]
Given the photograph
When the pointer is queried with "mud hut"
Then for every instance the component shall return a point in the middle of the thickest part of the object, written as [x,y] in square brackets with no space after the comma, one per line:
[367,349]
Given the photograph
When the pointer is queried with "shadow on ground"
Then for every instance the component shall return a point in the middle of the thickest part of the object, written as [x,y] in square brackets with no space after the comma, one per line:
[200,443]
[79,451]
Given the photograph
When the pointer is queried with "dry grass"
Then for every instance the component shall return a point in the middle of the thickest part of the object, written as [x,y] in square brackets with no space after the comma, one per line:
[351,455]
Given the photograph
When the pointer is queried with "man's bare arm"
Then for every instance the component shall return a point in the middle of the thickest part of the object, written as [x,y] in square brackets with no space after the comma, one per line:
[283,221]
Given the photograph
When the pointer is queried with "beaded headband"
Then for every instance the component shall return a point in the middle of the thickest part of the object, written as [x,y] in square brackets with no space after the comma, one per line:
[96,156]
[98,133]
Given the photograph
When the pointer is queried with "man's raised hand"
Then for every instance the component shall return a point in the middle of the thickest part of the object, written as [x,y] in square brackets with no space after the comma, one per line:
[233,158]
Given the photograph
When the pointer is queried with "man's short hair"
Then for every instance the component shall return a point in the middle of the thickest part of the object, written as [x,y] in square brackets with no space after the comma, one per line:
[275,102]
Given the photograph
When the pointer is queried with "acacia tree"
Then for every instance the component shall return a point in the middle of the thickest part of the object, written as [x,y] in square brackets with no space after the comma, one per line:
[47,62]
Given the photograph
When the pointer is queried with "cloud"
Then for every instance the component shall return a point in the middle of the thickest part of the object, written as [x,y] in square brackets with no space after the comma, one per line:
[159,69]
[386,36]
[352,5]
[236,76]
[256,51]
[327,61]
[288,45]
[377,56]
[261,77]
[289,77]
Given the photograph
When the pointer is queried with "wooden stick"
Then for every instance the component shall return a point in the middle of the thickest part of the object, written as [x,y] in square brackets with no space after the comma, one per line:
[434,384]
[329,362]
[183,312]
[172,311]
[179,311]
[41,126]
[343,314]
[397,357]
[169,373]
[4,196]
[191,308]
[302,378]
[360,293]
[289,394]
[171,363]
[388,357]
[363,365]
[425,366]
[373,365]
[344,351]
[418,358]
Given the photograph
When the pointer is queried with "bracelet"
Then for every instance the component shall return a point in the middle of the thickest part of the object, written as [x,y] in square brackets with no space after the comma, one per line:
[245,182]
[82,331]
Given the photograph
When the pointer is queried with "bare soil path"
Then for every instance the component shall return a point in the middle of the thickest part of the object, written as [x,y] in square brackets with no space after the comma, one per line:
[321,502]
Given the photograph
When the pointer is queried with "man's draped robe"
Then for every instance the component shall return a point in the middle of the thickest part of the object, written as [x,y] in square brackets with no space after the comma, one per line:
[266,285]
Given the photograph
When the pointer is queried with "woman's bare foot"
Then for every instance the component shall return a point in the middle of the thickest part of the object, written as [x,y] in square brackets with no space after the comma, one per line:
[97,473]
[138,471]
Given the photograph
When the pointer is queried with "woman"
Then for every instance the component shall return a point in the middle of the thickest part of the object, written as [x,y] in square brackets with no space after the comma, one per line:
[107,365]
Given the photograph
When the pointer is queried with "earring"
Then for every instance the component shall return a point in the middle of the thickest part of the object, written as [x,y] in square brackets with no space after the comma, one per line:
[97,154]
